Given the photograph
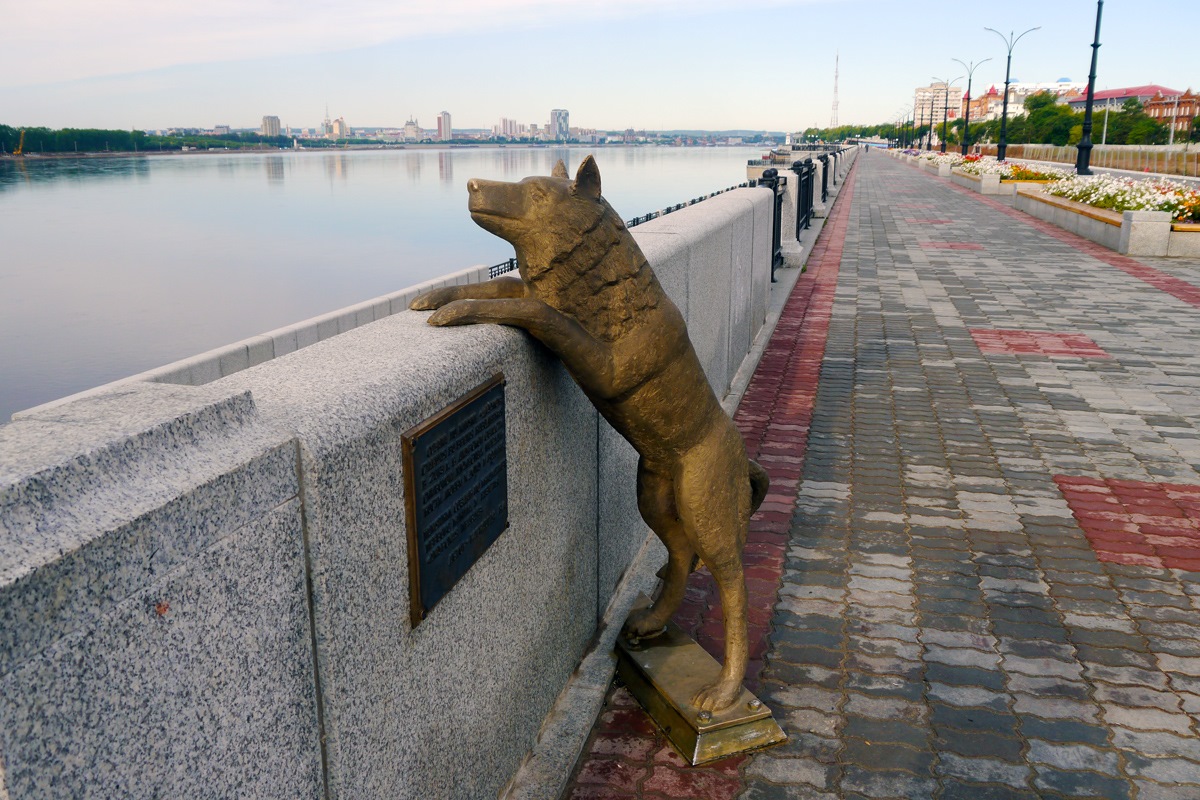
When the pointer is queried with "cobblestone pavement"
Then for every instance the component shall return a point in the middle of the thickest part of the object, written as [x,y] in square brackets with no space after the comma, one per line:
[978,574]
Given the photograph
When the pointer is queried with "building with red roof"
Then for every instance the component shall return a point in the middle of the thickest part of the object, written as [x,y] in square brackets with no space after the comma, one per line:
[1115,98]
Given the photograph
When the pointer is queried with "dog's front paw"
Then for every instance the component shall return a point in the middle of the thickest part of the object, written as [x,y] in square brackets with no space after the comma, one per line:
[435,298]
[457,312]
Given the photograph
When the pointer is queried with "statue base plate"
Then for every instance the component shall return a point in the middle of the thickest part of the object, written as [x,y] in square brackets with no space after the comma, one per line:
[665,672]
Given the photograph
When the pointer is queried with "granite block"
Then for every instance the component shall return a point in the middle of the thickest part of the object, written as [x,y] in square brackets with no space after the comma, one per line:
[259,349]
[287,340]
[348,318]
[326,325]
[1145,233]
[233,358]
[667,252]
[707,230]
[398,723]
[1184,244]
[760,272]
[154,632]
[381,307]
[199,685]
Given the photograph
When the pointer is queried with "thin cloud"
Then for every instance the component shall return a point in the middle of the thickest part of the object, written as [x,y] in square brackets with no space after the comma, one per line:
[62,40]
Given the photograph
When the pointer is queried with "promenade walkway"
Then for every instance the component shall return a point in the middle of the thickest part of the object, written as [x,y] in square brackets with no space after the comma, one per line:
[978,573]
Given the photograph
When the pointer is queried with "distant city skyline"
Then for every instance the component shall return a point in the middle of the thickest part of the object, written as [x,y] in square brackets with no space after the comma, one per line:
[646,64]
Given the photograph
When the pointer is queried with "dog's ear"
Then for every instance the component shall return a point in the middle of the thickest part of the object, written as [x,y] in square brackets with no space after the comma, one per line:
[560,170]
[587,179]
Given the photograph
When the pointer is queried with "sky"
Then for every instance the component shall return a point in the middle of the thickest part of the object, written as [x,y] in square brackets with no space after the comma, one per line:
[652,64]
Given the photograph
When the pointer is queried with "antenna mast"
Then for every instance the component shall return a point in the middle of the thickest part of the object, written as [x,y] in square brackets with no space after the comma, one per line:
[833,119]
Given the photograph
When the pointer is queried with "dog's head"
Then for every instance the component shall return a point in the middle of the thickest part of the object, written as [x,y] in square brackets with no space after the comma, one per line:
[542,217]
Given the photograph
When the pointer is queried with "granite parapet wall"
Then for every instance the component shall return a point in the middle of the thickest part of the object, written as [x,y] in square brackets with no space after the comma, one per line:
[204,589]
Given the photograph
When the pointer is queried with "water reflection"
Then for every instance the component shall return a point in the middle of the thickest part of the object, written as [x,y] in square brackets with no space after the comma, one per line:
[274,168]
[35,170]
[169,256]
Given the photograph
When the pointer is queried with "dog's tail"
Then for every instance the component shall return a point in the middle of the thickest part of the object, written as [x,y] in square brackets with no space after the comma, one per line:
[759,483]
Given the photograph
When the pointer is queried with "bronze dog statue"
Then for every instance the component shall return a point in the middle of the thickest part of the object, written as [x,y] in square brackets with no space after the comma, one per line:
[587,292]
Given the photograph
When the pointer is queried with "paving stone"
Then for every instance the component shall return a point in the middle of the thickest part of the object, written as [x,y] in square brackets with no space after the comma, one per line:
[1081,784]
[953,789]
[1156,743]
[890,708]
[877,755]
[968,696]
[1072,756]
[984,770]
[887,730]
[965,676]
[789,770]
[1148,719]
[810,721]
[1164,770]
[770,791]
[1063,730]
[880,784]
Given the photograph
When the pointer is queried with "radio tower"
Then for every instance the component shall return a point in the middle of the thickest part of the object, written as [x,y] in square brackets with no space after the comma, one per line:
[833,119]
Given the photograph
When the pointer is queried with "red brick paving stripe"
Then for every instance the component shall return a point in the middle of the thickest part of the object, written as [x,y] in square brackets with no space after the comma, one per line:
[1136,522]
[627,756]
[1042,343]
[1163,281]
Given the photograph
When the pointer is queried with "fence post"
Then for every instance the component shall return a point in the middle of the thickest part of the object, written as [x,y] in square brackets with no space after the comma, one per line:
[804,195]
[824,159]
[770,180]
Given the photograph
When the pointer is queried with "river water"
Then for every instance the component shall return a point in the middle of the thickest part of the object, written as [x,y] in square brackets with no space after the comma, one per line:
[111,266]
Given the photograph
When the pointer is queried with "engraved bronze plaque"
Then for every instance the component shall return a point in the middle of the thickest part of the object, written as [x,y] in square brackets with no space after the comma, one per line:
[456,492]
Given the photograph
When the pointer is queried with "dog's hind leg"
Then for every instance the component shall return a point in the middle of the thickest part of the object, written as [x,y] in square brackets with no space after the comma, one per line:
[656,502]
[714,506]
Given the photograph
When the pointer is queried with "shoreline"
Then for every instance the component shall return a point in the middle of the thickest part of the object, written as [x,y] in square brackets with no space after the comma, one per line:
[349,148]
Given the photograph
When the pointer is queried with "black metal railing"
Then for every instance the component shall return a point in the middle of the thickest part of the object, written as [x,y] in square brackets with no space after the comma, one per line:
[497,270]
[805,173]
[824,159]
[771,179]
[629,223]
[511,264]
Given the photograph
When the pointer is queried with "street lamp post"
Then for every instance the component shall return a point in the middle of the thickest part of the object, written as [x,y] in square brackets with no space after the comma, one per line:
[1002,148]
[966,142]
[945,103]
[1084,149]
[929,133]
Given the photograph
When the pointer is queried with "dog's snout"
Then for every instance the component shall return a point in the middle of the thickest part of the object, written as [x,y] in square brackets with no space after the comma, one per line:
[472,185]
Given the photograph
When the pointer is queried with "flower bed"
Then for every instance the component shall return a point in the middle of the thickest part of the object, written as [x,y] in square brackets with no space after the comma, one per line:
[1009,171]
[1125,194]
[1148,230]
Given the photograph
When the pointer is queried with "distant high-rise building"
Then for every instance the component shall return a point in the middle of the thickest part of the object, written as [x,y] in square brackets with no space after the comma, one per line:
[340,130]
[560,124]
[937,102]
[445,132]
[270,126]
[509,129]
[412,131]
